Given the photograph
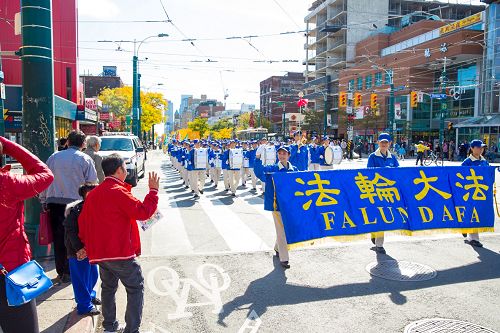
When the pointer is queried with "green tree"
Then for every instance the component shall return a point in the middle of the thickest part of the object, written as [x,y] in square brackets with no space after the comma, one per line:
[313,121]
[199,125]
[222,123]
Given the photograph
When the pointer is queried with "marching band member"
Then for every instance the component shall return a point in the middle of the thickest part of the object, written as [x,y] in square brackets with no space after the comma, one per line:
[382,158]
[245,170]
[314,154]
[475,159]
[225,166]
[183,162]
[299,155]
[233,172]
[251,160]
[324,165]
[264,173]
[196,173]
[215,159]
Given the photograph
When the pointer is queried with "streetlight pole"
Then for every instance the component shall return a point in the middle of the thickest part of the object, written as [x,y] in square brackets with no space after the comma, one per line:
[136,87]
[2,123]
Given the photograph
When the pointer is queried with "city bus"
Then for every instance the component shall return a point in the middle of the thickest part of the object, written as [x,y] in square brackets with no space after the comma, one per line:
[252,134]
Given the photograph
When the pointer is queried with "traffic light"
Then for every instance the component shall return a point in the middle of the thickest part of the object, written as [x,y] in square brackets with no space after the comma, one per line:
[450,126]
[373,101]
[414,99]
[342,99]
[357,99]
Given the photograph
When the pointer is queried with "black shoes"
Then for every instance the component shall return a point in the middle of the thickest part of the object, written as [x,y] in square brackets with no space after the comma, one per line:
[96,301]
[201,191]
[65,278]
[196,196]
[373,241]
[474,243]
[93,312]
[233,194]
[378,249]
[285,264]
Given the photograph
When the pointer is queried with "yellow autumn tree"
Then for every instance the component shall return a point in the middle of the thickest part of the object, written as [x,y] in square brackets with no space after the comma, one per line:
[188,133]
[223,133]
[119,101]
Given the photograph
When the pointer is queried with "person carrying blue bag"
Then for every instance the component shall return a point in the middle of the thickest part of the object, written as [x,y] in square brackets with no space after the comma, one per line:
[15,251]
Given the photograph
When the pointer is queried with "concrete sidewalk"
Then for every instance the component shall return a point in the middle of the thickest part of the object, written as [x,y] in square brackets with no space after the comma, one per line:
[56,308]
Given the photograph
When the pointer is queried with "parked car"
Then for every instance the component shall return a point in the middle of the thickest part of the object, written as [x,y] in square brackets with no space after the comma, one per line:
[131,149]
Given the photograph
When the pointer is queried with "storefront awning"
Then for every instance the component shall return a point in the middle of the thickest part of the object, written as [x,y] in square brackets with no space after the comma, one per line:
[490,120]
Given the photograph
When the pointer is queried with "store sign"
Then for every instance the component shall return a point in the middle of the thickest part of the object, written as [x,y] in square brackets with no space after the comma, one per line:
[86,115]
[104,116]
[457,91]
[93,103]
[476,18]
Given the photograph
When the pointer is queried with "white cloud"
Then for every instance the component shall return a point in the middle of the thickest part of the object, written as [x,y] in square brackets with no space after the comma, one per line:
[100,9]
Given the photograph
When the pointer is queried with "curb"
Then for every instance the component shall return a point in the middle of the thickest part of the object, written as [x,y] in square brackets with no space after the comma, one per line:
[80,324]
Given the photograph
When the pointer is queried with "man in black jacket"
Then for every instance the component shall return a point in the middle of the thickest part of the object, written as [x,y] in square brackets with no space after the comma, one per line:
[83,274]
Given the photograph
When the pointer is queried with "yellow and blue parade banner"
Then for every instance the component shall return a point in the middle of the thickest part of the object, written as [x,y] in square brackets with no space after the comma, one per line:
[340,203]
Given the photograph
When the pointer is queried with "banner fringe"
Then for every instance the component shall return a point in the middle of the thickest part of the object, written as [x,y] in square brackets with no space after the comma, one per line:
[402,232]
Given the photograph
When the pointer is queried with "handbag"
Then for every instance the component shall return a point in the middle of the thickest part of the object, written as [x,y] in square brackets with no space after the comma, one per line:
[25,283]
[45,229]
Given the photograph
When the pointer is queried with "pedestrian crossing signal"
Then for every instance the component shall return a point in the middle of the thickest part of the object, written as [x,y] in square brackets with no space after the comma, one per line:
[5,115]
[414,99]
[450,126]
[358,100]
[342,99]
[373,101]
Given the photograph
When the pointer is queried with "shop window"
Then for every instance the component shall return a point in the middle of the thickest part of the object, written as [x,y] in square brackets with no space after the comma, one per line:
[68,83]
[388,76]
[378,79]
[350,86]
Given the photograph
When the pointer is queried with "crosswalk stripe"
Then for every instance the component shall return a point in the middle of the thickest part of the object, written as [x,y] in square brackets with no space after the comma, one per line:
[169,236]
[238,236]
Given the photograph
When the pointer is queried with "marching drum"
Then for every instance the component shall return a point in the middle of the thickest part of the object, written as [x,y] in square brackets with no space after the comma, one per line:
[269,155]
[246,162]
[329,156]
[235,158]
[200,158]
[337,154]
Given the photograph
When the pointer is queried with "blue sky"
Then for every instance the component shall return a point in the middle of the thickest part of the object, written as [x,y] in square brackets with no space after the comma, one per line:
[183,68]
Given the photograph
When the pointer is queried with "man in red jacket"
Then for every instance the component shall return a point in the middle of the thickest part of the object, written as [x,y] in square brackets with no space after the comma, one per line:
[14,246]
[109,232]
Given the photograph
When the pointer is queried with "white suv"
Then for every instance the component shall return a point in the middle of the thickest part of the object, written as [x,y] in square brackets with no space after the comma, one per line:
[131,149]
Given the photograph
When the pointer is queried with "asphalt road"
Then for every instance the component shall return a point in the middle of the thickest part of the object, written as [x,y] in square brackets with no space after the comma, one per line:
[209,267]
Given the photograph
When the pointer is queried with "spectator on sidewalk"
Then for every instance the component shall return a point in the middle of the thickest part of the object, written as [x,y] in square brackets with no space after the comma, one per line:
[109,230]
[93,146]
[14,247]
[83,274]
[71,168]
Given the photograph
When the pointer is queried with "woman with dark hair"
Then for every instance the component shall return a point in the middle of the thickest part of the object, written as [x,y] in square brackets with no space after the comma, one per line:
[83,274]
[14,247]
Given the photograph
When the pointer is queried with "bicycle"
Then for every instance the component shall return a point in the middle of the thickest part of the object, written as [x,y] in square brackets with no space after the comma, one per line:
[432,157]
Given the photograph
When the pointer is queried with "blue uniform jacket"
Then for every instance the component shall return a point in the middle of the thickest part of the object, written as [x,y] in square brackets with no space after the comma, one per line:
[299,157]
[264,173]
[251,157]
[314,153]
[472,161]
[214,155]
[321,155]
[191,161]
[377,160]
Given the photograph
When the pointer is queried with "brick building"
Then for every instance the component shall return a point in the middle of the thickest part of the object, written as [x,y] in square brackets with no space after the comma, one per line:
[415,57]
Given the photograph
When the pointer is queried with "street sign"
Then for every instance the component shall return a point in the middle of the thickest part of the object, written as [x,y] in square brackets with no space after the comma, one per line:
[2,91]
[438,96]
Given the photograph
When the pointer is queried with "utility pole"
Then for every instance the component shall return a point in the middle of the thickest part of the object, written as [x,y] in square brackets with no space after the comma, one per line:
[444,105]
[135,88]
[2,123]
[38,94]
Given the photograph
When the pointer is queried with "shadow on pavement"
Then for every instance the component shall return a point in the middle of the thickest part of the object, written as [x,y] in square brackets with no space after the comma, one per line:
[272,290]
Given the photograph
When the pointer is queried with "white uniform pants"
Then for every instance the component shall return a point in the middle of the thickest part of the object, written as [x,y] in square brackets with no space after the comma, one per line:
[234,179]
[245,172]
[473,236]
[254,178]
[226,179]
[326,167]
[314,166]
[215,175]
[184,175]
[197,180]
[281,244]
[379,241]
